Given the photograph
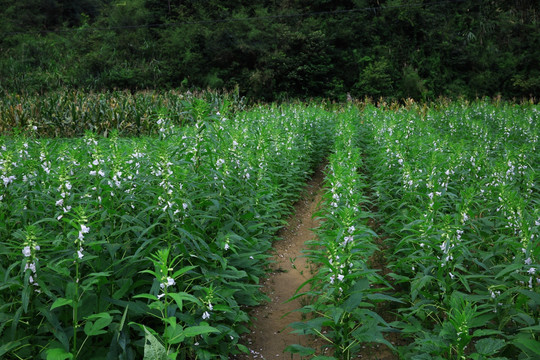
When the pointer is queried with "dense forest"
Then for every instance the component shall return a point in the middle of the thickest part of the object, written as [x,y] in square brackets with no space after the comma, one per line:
[272,50]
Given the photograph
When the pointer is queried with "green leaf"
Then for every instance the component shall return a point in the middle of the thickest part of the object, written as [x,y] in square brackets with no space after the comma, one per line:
[489,346]
[527,344]
[61,302]
[353,301]
[181,296]
[199,330]
[153,349]
[486,332]
[96,328]
[299,349]
[535,297]
[173,333]
[182,271]
[58,354]
[531,328]
[4,348]
[122,322]
[508,269]
[146,296]
[418,284]
[383,297]
[243,348]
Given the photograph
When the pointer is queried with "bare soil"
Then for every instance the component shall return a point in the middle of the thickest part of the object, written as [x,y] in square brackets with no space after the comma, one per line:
[270,334]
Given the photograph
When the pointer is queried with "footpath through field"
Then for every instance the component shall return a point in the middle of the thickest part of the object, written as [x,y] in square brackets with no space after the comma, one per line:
[270,333]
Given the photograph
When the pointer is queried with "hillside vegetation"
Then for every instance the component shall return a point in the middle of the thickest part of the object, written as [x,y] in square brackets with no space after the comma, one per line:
[274,49]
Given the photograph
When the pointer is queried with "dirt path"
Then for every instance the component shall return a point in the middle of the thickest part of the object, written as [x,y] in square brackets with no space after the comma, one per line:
[270,333]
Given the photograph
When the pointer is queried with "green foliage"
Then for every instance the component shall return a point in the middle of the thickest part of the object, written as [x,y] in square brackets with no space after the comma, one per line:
[72,113]
[147,246]
[456,187]
[273,50]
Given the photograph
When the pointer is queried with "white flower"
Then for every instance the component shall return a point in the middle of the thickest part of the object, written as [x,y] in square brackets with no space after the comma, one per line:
[79,253]
[31,266]
[210,306]
[8,179]
[351,229]
[26,251]
[340,277]
[531,271]
[528,261]
[347,240]
[206,315]
[101,173]
[60,202]
[170,282]
[226,246]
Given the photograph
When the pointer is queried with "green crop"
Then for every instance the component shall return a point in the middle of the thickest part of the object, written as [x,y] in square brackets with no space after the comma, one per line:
[152,246]
[149,246]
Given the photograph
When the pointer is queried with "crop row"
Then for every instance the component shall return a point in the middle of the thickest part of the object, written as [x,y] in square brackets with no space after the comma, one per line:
[151,246]
[431,222]
[345,288]
[458,193]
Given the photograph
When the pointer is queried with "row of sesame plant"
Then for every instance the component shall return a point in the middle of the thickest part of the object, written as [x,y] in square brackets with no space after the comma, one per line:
[71,113]
[340,296]
[146,247]
[459,194]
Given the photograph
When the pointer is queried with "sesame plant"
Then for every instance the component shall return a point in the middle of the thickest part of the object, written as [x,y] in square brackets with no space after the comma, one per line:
[341,296]
[457,187]
[151,246]
[137,225]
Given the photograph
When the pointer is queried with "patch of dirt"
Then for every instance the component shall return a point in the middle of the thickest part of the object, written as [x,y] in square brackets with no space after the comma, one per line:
[270,333]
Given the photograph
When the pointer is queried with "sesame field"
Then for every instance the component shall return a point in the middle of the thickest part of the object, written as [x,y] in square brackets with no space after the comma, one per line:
[141,226]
